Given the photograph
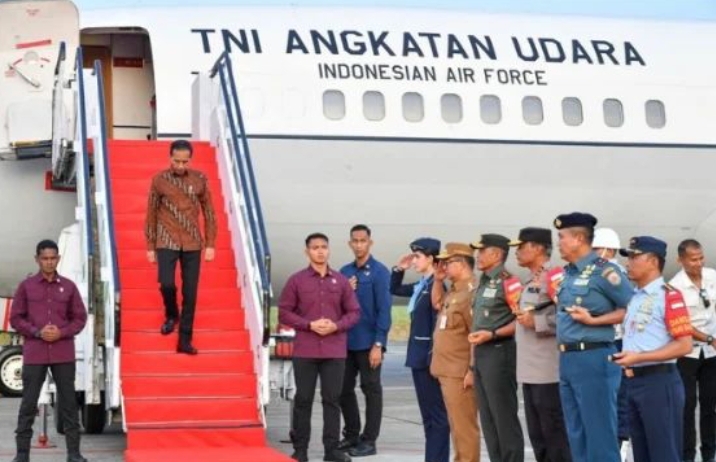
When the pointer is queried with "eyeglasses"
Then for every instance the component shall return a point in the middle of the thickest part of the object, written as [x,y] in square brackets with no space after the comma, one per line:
[704,298]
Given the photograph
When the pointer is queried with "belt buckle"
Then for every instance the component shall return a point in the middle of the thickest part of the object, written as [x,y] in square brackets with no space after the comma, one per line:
[562,347]
[629,372]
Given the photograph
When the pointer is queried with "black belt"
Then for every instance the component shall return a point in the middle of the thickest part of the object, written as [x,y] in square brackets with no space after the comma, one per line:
[583,346]
[649,370]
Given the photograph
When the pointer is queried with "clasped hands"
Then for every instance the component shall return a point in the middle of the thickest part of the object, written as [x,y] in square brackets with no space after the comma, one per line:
[323,327]
[50,333]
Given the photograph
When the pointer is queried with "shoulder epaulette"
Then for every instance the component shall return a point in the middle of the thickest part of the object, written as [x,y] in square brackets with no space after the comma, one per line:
[600,262]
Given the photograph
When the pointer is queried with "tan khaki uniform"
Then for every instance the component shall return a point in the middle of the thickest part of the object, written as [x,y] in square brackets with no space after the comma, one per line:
[450,364]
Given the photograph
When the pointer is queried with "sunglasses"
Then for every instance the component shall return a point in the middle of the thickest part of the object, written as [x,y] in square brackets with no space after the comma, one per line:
[704,298]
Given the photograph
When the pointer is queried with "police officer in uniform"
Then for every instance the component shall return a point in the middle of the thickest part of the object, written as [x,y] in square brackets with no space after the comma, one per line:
[451,350]
[537,354]
[495,354]
[592,298]
[423,320]
[657,331]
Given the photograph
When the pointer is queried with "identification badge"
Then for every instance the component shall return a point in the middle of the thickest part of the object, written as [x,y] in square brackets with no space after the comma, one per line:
[581,282]
[443,322]
[490,293]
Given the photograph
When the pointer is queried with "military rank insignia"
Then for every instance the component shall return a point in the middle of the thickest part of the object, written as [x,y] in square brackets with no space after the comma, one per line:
[612,275]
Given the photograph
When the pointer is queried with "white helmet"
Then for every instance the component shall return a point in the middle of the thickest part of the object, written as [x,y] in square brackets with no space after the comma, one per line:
[606,238]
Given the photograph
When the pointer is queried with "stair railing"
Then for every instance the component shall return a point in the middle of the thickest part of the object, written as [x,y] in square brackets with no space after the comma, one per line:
[244,206]
[107,247]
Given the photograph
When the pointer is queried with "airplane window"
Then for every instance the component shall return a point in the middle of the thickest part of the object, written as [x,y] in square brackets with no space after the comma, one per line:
[613,113]
[334,104]
[572,111]
[490,109]
[413,107]
[532,110]
[655,114]
[373,105]
[451,108]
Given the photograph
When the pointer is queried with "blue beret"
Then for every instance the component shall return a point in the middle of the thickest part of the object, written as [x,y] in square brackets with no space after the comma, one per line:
[575,219]
[645,244]
[427,245]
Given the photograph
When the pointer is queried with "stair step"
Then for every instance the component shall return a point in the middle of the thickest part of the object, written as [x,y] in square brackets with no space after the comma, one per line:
[208,277]
[203,340]
[248,433]
[170,410]
[208,298]
[225,454]
[206,362]
[135,240]
[137,259]
[177,385]
[151,319]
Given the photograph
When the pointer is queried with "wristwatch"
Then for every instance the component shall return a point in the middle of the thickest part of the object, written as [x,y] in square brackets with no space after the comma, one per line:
[398,269]
[494,335]
[378,345]
[710,339]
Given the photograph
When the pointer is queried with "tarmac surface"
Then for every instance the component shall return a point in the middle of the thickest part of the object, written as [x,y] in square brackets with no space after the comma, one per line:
[401,438]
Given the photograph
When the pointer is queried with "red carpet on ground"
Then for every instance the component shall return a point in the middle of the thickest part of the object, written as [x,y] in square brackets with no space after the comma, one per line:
[179,407]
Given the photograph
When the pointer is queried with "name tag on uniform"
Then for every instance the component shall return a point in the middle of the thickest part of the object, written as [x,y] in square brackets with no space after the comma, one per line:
[443,322]
[581,282]
[490,292]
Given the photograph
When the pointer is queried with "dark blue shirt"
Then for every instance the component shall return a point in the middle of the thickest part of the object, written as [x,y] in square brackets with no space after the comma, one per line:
[375,301]
[597,285]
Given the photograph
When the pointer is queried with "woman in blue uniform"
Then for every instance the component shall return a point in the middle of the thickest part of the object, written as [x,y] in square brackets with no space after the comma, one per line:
[420,344]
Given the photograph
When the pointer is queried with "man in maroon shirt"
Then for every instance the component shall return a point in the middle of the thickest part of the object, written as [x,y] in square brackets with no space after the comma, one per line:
[320,304]
[48,312]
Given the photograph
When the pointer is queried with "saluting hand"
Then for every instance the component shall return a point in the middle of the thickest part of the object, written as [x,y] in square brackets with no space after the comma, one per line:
[440,272]
[405,261]
[581,314]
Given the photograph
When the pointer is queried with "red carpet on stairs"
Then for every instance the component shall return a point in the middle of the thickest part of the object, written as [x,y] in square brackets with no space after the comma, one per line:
[178,407]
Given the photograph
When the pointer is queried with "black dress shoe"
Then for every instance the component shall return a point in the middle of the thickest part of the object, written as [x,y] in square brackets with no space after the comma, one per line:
[336,456]
[168,326]
[187,349]
[364,448]
[76,458]
[22,457]
[348,443]
[300,455]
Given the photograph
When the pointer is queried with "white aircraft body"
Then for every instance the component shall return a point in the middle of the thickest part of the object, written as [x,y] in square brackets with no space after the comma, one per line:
[415,122]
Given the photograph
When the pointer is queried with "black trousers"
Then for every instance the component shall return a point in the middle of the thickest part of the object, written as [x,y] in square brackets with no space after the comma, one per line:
[33,376]
[496,388]
[190,262]
[358,362]
[699,373]
[545,422]
[306,371]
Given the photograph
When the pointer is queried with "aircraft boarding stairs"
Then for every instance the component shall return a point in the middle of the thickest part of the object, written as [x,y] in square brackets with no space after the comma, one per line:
[175,406]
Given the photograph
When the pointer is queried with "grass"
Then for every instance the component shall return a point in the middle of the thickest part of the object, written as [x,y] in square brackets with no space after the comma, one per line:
[399,331]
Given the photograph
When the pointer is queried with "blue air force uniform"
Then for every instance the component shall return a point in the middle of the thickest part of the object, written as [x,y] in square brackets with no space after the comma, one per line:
[588,381]
[420,344]
[655,317]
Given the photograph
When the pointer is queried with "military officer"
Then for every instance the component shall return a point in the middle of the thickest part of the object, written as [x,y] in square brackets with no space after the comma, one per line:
[537,354]
[420,344]
[592,298]
[451,350]
[493,337]
[657,331]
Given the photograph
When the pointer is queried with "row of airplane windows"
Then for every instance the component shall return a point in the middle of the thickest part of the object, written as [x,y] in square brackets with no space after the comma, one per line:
[334,108]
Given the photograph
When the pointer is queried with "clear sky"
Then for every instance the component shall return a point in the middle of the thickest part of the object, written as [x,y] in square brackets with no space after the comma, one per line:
[658,9]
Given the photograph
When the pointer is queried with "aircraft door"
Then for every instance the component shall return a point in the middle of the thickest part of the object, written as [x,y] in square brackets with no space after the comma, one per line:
[30,36]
